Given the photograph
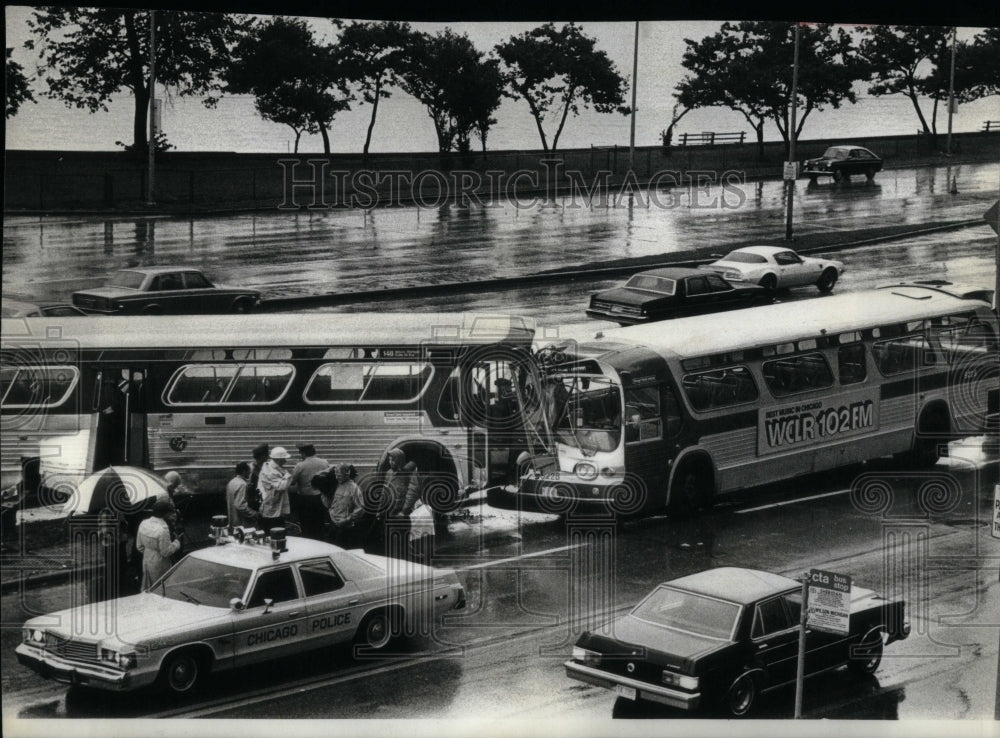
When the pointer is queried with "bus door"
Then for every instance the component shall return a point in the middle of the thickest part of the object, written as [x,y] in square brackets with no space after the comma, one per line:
[651,414]
[121,417]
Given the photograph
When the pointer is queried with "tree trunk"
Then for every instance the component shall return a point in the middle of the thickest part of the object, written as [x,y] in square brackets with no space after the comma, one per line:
[912,94]
[371,123]
[138,81]
[570,94]
[537,115]
[326,137]
[298,135]
[759,130]
[934,119]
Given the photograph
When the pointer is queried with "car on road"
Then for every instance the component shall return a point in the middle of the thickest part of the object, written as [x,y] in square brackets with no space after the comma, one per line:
[672,292]
[723,636]
[776,267]
[164,291]
[236,604]
[30,308]
[840,162]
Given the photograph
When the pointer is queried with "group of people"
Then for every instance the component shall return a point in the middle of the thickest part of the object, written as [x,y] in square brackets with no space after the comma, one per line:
[327,501]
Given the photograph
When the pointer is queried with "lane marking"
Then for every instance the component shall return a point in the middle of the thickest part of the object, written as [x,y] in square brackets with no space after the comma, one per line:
[791,502]
[484,564]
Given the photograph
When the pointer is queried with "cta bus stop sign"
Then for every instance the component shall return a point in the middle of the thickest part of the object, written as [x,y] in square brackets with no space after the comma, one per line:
[826,606]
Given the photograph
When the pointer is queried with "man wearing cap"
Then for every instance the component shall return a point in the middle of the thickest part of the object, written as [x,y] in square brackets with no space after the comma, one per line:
[273,485]
[310,506]
[153,542]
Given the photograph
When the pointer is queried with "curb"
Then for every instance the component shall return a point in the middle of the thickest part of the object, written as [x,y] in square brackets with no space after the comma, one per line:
[613,270]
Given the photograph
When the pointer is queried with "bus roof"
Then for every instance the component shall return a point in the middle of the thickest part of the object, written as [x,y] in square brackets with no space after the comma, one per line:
[715,333]
[271,330]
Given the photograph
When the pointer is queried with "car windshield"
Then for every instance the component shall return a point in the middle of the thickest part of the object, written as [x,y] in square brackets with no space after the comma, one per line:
[587,413]
[693,613]
[744,257]
[835,153]
[126,278]
[654,284]
[203,582]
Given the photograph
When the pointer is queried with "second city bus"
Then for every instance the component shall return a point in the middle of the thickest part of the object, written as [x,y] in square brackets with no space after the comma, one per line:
[671,414]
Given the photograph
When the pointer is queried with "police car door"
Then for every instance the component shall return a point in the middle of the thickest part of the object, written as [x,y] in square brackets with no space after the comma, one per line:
[274,621]
[331,602]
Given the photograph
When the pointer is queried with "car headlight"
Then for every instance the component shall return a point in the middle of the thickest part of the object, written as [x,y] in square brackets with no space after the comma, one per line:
[674,679]
[585,471]
[35,636]
[591,658]
[121,660]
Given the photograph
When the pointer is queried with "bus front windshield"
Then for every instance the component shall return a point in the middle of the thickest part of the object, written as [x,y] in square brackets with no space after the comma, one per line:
[586,412]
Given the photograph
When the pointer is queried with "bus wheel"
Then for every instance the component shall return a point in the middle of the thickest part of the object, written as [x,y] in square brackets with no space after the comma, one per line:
[933,433]
[691,491]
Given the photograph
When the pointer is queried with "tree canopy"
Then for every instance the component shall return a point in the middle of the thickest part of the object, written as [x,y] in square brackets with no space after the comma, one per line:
[16,88]
[90,54]
[295,79]
[458,85]
[561,70]
[747,67]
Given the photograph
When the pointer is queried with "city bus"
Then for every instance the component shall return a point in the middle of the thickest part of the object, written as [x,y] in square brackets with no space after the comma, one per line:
[196,394]
[672,414]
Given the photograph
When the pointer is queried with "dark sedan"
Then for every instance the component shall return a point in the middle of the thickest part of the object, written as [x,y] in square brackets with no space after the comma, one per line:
[164,291]
[723,636]
[672,293]
[840,162]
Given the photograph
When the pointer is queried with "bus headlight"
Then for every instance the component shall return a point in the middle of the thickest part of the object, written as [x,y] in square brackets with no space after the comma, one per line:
[585,470]
[679,680]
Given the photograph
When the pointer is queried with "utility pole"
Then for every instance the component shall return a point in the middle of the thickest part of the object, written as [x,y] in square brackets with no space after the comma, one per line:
[792,164]
[151,143]
[635,71]
[951,91]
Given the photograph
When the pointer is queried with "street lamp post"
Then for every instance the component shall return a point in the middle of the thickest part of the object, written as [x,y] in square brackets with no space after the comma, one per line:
[635,71]
[951,91]
[790,180]
[151,143]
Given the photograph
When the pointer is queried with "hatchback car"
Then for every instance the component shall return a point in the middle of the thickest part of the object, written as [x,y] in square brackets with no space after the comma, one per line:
[840,162]
[723,636]
[11,308]
[164,290]
[671,293]
[775,267]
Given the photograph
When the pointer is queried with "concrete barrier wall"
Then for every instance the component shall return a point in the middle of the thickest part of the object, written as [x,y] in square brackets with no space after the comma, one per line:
[51,181]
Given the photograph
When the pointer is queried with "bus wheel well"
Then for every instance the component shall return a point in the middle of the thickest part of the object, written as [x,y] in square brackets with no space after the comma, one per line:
[692,487]
[933,430]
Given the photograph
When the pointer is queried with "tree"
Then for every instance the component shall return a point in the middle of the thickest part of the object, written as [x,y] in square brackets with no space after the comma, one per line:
[981,67]
[905,60]
[91,54]
[294,79]
[458,85]
[16,86]
[747,67]
[554,68]
[370,54]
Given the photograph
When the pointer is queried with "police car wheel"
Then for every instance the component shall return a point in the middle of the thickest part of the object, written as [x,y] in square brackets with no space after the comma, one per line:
[375,631]
[181,672]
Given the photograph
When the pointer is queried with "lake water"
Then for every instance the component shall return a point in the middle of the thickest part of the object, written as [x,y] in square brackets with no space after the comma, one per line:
[403,124]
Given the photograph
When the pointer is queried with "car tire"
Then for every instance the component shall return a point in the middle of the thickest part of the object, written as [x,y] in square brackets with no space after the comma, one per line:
[870,174]
[376,630]
[182,672]
[741,696]
[153,310]
[837,175]
[769,282]
[242,306]
[867,656]
[827,280]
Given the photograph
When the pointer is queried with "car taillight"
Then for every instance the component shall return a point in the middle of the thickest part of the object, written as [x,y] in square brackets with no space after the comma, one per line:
[585,655]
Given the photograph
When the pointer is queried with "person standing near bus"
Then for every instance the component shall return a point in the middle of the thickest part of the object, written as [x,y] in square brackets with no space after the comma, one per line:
[273,485]
[311,511]
[239,512]
[260,453]
[347,508]
[153,542]
[180,496]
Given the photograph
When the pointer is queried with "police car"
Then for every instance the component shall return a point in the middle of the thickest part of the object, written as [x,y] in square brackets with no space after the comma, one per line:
[246,599]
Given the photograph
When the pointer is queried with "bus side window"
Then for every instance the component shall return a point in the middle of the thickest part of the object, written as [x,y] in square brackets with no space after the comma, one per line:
[851,363]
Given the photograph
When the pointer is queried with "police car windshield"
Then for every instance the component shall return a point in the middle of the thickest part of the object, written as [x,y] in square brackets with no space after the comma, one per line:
[203,582]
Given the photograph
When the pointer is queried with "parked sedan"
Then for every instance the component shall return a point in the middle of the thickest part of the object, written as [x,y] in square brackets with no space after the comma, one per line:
[672,293]
[775,267]
[233,605]
[164,290]
[840,162]
[10,308]
[724,636]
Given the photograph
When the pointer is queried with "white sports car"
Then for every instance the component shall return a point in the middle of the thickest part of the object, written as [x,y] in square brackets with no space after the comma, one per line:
[236,604]
[775,267]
